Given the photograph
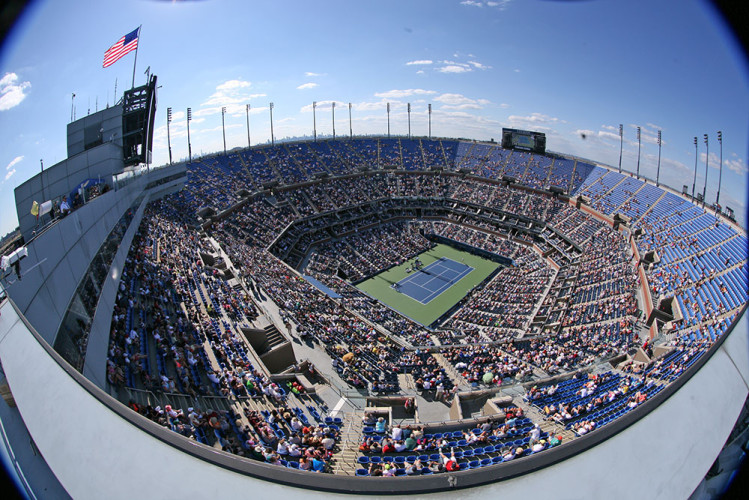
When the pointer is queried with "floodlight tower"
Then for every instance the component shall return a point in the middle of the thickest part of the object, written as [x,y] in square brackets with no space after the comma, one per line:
[639,144]
[314,120]
[621,145]
[189,145]
[41,177]
[409,120]
[272,139]
[223,126]
[720,172]
[430,120]
[694,180]
[658,172]
[168,135]
[707,159]
[388,108]
[247,108]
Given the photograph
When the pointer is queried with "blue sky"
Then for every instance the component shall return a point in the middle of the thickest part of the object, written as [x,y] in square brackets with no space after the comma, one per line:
[563,68]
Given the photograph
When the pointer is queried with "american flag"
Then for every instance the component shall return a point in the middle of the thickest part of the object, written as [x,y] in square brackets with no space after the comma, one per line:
[124,45]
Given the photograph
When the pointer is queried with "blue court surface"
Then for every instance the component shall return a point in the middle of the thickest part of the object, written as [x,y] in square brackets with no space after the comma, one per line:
[426,283]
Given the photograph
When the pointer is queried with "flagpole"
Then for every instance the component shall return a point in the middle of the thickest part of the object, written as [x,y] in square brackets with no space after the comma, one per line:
[135,61]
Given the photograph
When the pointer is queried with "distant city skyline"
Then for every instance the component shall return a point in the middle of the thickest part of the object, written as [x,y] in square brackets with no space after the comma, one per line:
[573,70]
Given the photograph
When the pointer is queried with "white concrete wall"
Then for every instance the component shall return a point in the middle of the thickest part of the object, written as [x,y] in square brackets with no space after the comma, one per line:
[95,453]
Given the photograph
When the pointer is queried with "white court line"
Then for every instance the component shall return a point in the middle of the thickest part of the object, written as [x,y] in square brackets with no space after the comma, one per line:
[442,289]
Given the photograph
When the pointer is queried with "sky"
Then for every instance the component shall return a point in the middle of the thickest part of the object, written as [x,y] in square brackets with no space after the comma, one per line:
[574,70]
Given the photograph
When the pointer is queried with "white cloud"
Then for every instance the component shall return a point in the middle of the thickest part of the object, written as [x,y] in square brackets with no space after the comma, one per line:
[308,85]
[13,162]
[735,164]
[478,65]
[231,92]
[419,62]
[12,93]
[10,174]
[534,118]
[459,102]
[396,94]
[454,68]
[738,166]
[311,74]
[517,70]
[420,72]
[607,134]
[230,85]
[325,105]
[498,4]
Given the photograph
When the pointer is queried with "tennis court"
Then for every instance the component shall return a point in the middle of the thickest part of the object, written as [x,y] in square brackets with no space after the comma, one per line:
[425,296]
[429,282]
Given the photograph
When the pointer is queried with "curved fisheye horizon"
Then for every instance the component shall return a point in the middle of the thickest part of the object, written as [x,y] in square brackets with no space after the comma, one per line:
[573,70]
[427,248]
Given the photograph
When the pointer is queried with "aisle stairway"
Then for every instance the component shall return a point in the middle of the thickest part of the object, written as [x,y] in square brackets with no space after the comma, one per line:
[345,460]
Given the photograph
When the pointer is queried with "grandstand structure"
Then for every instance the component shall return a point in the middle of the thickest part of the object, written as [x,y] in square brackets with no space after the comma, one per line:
[224,331]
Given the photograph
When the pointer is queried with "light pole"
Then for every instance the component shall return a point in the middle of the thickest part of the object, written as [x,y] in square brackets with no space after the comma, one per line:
[41,178]
[247,108]
[621,145]
[223,126]
[694,181]
[168,136]
[720,172]
[639,143]
[658,172]
[189,146]
[388,108]
[409,120]
[707,159]
[332,107]
[350,128]
[430,120]
[272,139]
[314,120]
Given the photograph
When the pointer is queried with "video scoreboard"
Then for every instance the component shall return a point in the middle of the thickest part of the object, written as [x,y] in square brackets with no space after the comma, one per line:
[525,140]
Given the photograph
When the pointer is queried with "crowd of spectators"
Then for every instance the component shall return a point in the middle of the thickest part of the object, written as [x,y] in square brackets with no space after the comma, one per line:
[176,322]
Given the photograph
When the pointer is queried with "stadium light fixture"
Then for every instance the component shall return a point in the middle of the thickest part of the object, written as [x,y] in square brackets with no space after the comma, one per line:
[247,108]
[720,172]
[314,121]
[168,135]
[388,108]
[189,146]
[639,144]
[658,172]
[409,120]
[350,127]
[41,177]
[272,139]
[707,160]
[694,180]
[332,108]
[223,126]
[430,120]
[621,145]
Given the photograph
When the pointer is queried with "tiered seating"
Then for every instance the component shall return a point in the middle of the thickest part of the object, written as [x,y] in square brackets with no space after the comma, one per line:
[175,326]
